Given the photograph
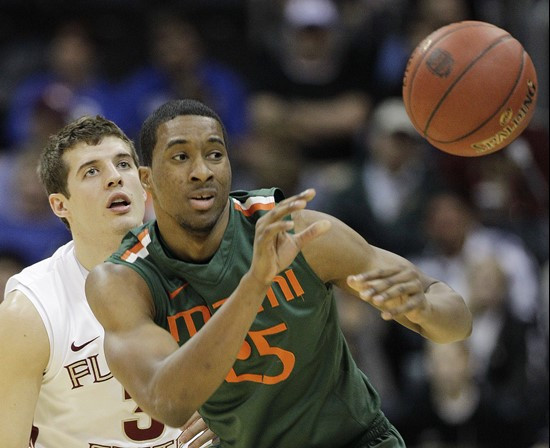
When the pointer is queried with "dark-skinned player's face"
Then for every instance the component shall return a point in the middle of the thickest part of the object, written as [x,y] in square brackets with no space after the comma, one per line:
[190,176]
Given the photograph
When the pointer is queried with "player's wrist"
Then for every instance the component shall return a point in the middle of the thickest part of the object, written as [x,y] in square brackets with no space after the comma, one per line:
[254,284]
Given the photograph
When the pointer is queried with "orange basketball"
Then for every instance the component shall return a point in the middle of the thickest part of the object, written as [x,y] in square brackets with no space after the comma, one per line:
[470,88]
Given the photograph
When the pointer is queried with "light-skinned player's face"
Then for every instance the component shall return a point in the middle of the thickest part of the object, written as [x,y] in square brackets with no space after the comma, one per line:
[190,176]
[106,196]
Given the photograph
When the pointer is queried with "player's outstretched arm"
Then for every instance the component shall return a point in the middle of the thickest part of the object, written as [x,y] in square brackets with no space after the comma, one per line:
[403,293]
[168,382]
[24,352]
[387,281]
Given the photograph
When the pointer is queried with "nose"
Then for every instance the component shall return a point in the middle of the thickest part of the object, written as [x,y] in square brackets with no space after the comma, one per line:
[113,177]
[200,170]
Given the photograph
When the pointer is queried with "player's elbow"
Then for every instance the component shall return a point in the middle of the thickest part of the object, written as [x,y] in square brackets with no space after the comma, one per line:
[174,418]
[465,329]
[172,409]
[469,324]
[461,330]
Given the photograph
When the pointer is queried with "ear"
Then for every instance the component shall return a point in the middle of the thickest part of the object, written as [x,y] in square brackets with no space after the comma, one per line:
[58,204]
[145,178]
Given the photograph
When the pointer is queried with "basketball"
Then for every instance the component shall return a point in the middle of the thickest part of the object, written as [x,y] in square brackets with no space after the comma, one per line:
[470,88]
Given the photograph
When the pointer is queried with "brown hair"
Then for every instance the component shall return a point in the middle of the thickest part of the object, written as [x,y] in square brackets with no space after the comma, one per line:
[52,169]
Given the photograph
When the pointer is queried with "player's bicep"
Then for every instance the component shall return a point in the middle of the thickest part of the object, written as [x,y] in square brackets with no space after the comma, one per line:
[24,354]
[339,252]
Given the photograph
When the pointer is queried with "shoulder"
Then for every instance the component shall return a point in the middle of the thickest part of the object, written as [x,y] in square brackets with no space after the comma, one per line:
[19,309]
[273,194]
[42,276]
[23,333]
[255,203]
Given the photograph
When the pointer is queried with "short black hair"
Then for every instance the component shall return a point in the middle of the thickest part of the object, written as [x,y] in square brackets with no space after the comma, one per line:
[167,112]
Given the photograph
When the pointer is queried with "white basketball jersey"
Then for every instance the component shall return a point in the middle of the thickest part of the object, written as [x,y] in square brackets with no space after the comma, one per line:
[80,404]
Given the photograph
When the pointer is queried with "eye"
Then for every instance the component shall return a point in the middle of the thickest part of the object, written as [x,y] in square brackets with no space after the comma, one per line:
[215,155]
[180,157]
[124,164]
[91,172]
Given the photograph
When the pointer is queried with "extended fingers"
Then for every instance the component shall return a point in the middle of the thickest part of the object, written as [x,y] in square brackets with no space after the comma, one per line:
[377,281]
[270,231]
[203,438]
[384,290]
[195,425]
[196,417]
[287,207]
[311,232]
[272,223]
[375,274]
[407,305]
[395,291]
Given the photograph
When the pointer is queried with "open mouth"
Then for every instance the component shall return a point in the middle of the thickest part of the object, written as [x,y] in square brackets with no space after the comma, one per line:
[202,197]
[202,201]
[119,203]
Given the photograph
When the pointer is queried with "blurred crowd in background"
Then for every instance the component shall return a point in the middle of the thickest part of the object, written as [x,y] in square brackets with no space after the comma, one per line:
[310,94]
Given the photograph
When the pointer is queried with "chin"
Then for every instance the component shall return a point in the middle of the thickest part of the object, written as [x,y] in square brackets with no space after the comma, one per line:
[198,227]
[124,225]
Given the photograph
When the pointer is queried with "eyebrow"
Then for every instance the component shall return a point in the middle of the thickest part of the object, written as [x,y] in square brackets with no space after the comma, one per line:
[183,141]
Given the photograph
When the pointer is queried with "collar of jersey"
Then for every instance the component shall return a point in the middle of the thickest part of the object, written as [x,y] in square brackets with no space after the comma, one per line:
[209,272]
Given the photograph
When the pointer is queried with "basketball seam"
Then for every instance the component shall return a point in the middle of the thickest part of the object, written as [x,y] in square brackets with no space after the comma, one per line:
[473,131]
[415,69]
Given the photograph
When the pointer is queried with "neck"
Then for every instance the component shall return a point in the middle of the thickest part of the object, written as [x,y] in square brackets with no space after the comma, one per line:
[92,253]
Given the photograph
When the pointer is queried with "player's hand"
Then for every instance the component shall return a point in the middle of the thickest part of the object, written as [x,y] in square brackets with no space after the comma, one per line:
[274,247]
[195,429]
[395,291]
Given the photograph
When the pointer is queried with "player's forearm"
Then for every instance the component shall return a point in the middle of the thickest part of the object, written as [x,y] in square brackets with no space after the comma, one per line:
[447,318]
[203,362]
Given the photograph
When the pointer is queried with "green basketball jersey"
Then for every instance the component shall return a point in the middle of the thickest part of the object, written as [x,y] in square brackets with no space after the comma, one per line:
[294,383]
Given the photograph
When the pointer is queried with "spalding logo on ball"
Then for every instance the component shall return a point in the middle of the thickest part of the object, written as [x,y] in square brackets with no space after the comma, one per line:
[470,88]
